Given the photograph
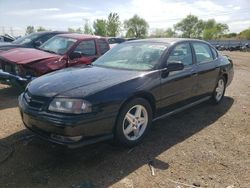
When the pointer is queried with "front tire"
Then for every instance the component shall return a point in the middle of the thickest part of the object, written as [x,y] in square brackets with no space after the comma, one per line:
[219,91]
[133,122]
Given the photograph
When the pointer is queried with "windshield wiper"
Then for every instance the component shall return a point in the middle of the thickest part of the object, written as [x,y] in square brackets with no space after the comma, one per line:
[50,51]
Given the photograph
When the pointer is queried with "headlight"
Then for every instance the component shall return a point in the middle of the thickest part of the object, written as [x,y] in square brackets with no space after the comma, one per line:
[72,106]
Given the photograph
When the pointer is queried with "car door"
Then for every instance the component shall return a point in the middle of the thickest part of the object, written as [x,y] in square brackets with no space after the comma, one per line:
[207,69]
[179,86]
[103,46]
[87,51]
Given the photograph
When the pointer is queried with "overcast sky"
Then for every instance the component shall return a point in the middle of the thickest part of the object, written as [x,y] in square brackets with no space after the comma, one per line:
[61,14]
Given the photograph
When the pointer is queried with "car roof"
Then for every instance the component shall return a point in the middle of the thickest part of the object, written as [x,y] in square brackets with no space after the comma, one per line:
[50,32]
[79,36]
[166,40]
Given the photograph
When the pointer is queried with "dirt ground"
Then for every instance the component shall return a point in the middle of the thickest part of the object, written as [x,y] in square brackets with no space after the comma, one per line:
[206,146]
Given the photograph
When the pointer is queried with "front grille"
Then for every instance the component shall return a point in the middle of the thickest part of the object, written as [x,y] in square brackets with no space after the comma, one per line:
[35,102]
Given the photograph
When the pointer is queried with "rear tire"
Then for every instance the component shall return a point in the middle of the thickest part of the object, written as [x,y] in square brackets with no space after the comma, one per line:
[219,90]
[133,122]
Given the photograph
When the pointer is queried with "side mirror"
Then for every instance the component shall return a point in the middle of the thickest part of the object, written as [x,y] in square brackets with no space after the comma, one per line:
[174,66]
[75,55]
[37,43]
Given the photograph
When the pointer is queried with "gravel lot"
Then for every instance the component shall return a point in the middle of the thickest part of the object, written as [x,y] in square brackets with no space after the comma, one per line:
[206,146]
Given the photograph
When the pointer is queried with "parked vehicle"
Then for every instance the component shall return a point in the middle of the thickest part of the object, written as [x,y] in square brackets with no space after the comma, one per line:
[245,47]
[235,46]
[231,45]
[122,92]
[6,38]
[21,65]
[214,43]
[113,41]
[33,40]
[224,45]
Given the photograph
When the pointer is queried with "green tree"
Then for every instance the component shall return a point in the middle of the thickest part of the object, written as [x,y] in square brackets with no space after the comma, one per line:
[229,35]
[40,28]
[193,27]
[87,28]
[222,28]
[190,27]
[113,24]
[163,33]
[213,30]
[198,29]
[170,33]
[208,34]
[136,27]
[245,34]
[71,30]
[158,33]
[78,30]
[100,27]
[30,29]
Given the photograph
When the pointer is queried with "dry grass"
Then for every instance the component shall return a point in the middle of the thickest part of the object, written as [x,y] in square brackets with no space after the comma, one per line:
[207,146]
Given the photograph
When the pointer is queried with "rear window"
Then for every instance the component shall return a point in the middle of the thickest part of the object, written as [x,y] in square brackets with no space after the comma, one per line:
[103,46]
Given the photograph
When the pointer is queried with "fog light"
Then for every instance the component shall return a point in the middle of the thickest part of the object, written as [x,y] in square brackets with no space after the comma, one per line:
[66,138]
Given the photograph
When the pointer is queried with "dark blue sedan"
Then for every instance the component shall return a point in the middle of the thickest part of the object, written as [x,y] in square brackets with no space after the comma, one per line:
[122,92]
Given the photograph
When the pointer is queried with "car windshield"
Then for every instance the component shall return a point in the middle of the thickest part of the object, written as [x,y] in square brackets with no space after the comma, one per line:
[58,45]
[26,39]
[132,56]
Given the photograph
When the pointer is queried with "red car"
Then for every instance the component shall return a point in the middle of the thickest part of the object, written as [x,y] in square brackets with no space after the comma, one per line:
[20,65]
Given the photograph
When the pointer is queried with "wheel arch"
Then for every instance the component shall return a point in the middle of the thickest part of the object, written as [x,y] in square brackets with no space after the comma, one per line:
[144,95]
[224,74]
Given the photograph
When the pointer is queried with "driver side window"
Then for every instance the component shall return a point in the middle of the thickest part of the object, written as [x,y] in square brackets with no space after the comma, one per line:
[86,48]
[181,52]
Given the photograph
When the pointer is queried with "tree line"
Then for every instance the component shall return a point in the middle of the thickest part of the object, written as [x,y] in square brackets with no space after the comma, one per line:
[112,26]
[137,27]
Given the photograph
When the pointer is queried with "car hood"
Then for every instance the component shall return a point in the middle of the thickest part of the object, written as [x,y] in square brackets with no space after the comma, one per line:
[26,55]
[81,81]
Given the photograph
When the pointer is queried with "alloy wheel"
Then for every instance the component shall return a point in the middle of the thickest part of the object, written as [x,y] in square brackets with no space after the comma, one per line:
[219,91]
[135,122]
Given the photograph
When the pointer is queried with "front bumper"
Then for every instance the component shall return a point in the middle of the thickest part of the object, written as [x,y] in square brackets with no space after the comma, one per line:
[62,129]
